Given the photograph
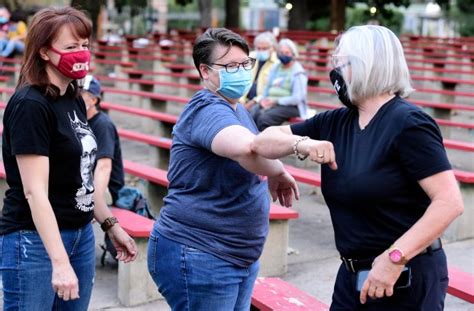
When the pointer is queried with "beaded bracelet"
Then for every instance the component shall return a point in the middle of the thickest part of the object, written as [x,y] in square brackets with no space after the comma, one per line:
[295,148]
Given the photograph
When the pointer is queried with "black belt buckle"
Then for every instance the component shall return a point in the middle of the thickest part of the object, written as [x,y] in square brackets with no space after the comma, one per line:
[349,264]
[433,247]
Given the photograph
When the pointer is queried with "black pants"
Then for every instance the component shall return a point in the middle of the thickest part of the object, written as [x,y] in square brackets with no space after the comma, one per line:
[427,291]
[275,115]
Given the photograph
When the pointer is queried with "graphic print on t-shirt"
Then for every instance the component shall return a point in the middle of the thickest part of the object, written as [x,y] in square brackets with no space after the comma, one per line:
[85,194]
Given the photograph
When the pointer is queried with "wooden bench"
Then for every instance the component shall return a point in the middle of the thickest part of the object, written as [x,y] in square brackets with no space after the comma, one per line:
[461,284]
[147,85]
[274,257]
[275,294]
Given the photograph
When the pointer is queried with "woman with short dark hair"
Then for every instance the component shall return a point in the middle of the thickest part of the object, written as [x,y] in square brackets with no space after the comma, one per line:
[204,249]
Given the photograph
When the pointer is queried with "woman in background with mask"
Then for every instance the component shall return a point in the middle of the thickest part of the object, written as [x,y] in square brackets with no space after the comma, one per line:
[204,248]
[47,256]
[265,53]
[392,192]
[285,93]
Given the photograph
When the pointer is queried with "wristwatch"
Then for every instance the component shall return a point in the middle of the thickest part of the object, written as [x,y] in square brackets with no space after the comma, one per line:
[397,256]
[108,223]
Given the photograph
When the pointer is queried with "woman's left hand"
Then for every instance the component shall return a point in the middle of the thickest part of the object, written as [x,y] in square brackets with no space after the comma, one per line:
[381,279]
[123,243]
[267,103]
[282,187]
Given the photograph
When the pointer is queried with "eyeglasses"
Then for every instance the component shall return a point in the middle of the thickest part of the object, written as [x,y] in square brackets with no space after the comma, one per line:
[234,66]
[340,61]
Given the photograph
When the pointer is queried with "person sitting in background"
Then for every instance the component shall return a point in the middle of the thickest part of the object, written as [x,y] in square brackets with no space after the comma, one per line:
[108,172]
[285,94]
[265,46]
[12,34]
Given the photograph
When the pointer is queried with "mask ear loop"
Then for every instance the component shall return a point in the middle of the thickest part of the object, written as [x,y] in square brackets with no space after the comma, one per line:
[217,88]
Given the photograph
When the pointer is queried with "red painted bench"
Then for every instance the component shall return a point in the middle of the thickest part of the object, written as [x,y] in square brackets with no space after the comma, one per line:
[461,284]
[147,85]
[275,294]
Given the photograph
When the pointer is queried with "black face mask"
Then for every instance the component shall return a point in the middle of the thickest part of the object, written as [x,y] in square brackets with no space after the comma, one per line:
[340,86]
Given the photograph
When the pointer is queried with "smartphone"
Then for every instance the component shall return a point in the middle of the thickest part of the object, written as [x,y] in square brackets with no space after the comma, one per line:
[403,281]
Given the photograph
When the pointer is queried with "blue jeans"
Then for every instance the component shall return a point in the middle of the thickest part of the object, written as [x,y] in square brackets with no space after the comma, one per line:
[26,270]
[191,279]
[7,47]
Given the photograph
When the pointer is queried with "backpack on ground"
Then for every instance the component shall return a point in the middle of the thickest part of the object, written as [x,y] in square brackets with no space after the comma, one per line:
[131,199]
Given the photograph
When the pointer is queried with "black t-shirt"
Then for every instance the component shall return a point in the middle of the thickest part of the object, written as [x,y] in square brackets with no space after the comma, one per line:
[36,124]
[374,197]
[108,146]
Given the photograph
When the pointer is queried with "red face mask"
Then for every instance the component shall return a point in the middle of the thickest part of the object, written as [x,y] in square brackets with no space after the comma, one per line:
[74,65]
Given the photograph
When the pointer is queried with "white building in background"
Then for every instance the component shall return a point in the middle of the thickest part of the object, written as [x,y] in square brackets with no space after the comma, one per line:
[427,19]
[263,14]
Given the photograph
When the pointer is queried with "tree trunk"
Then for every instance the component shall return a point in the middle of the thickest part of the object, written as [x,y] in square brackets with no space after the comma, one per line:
[205,8]
[92,7]
[232,14]
[298,15]
[338,14]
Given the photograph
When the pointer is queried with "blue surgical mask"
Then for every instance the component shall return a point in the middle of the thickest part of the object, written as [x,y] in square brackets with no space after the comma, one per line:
[234,85]
[285,59]
[262,56]
[3,20]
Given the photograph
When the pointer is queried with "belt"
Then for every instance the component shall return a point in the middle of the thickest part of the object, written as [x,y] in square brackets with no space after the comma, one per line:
[354,265]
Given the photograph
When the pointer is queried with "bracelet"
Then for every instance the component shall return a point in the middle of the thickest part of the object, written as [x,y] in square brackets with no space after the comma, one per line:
[108,223]
[295,148]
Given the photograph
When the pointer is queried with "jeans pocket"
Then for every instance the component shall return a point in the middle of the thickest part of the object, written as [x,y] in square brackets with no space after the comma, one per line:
[1,251]
[151,256]
[192,250]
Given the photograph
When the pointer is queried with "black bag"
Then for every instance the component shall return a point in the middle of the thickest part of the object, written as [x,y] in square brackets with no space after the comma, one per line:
[131,199]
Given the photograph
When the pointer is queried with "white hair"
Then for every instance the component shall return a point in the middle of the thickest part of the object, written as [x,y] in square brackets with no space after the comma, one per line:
[266,37]
[290,44]
[377,63]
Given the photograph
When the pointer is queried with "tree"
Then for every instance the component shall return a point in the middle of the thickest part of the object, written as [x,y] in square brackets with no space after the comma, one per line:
[232,13]
[92,7]
[338,14]
[205,10]
[298,15]
[205,7]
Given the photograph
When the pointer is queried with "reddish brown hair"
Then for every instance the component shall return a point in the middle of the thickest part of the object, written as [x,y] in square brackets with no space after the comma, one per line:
[42,31]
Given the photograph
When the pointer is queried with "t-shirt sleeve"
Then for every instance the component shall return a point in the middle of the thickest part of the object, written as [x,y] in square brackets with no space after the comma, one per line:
[421,148]
[209,120]
[105,136]
[310,127]
[31,127]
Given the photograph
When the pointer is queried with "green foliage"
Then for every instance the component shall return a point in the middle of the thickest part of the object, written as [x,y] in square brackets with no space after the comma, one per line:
[462,13]
[321,24]
[390,18]
[135,5]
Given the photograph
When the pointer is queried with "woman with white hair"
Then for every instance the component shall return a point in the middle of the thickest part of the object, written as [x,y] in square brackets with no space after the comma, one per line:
[265,46]
[392,192]
[285,94]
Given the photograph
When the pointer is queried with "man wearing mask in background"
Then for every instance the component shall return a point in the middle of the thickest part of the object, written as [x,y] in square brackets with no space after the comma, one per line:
[108,171]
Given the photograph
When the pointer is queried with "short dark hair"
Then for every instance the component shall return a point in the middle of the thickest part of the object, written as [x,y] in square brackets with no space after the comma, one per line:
[204,45]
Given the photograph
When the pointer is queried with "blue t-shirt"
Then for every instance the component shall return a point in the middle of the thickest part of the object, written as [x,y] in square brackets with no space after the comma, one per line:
[374,196]
[213,203]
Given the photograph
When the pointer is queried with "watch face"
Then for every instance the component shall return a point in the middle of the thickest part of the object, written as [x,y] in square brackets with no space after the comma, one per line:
[396,255]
